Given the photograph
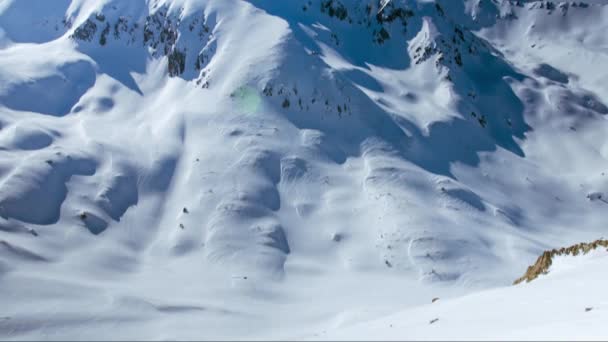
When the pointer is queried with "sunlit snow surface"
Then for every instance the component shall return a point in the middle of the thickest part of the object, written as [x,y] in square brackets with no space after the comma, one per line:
[265,169]
[567,304]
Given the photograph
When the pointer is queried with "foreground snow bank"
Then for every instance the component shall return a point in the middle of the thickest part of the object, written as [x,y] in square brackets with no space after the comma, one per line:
[568,303]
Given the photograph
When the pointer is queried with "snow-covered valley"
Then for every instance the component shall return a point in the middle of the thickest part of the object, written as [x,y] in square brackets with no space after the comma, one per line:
[301,169]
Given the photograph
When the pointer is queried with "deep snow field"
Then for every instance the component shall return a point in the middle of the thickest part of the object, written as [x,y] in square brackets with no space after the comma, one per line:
[301,169]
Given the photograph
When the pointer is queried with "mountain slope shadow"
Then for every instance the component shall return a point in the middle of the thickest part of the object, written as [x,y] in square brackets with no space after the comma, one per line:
[492,119]
[70,82]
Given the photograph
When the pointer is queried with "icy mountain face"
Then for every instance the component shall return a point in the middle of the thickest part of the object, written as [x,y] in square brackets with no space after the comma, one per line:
[218,160]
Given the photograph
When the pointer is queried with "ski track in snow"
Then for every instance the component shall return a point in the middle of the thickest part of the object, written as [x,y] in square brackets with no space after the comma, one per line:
[264,169]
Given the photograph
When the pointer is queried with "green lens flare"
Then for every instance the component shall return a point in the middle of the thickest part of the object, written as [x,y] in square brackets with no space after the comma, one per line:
[247,98]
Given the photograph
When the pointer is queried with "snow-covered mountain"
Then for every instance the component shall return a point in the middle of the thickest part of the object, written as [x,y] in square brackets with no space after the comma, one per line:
[284,169]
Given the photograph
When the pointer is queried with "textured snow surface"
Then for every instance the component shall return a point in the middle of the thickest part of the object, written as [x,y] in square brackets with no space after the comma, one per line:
[567,304]
[266,169]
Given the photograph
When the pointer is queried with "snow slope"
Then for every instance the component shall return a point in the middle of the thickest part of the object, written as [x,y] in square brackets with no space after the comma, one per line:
[209,169]
[567,304]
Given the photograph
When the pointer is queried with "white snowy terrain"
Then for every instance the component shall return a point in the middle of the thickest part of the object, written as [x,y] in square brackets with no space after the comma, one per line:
[568,304]
[301,169]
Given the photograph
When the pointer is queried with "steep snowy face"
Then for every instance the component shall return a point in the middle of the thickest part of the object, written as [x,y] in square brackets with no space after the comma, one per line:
[173,161]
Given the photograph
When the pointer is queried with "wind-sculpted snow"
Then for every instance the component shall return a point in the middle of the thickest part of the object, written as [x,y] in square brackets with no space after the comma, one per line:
[34,190]
[68,85]
[210,169]
[27,136]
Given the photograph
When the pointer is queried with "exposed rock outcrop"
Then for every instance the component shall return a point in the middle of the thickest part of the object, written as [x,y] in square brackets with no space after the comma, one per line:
[545,261]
